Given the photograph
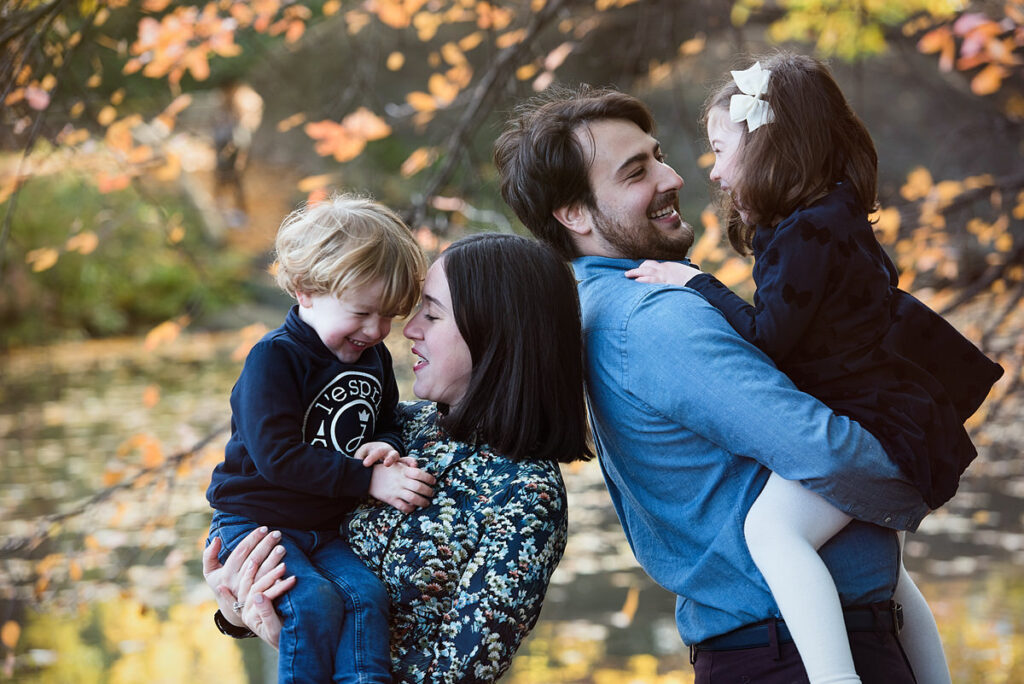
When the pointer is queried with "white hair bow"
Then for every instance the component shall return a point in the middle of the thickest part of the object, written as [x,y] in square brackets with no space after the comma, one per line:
[749,106]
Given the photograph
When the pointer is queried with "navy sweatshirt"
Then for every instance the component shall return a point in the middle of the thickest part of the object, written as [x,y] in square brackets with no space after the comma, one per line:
[298,414]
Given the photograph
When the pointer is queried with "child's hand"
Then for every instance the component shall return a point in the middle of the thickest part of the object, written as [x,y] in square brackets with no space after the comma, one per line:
[377,452]
[667,272]
[402,485]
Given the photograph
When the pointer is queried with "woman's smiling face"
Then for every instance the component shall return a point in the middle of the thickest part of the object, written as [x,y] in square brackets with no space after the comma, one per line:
[445,364]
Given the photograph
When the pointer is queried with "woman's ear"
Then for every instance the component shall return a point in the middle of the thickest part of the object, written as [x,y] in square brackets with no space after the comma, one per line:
[574,217]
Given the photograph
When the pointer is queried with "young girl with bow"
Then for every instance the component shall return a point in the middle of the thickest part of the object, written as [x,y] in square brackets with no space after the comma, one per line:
[798,171]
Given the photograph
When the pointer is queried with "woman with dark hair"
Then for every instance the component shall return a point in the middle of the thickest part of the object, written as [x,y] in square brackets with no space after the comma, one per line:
[499,351]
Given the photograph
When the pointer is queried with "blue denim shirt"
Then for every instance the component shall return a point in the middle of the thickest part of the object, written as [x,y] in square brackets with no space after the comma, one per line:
[688,419]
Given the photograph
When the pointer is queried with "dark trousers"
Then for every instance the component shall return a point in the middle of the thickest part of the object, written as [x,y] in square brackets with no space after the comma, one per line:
[878,657]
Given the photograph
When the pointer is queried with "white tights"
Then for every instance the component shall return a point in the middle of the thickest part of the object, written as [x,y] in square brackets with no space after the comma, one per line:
[784,529]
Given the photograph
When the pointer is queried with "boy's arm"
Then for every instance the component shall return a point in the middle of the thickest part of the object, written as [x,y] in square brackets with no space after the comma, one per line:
[267,414]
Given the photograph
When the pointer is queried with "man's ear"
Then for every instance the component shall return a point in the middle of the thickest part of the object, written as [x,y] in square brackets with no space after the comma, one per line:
[574,217]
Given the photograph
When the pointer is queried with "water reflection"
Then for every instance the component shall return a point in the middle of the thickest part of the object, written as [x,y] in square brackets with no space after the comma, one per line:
[113,593]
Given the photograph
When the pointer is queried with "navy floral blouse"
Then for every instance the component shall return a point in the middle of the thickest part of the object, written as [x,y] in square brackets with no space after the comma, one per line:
[466,575]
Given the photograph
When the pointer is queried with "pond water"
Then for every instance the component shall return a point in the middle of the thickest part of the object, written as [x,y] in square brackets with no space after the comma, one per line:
[103,515]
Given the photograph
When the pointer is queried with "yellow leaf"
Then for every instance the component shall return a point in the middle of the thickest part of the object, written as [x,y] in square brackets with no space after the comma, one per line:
[331,7]
[176,234]
[10,633]
[311,183]
[291,122]
[396,60]
[421,102]
[167,331]
[84,242]
[469,42]
[418,160]
[106,116]
[443,90]
[151,396]
[42,259]
[918,185]
[112,477]
[557,56]
[733,272]
[1004,243]
[74,571]
[366,124]
[693,46]
[451,53]
[106,183]
[989,79]
[887,225]
[526,71]
[511,38]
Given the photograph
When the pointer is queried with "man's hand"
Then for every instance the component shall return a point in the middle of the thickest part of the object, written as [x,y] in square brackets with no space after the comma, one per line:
[667,272]
[402,485]
[377,452]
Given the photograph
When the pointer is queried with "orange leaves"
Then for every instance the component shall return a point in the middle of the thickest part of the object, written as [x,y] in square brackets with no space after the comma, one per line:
[182,41]
[346,140]
[42,259]
[10,633]
[984,42]
[887,225]
[395,13]
[166,332]
[419,160]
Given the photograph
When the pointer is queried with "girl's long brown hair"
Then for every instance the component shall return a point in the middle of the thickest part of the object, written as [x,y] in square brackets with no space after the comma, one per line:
[815,141]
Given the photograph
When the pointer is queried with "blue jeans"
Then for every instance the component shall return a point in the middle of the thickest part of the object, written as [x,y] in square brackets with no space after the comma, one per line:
[335,617]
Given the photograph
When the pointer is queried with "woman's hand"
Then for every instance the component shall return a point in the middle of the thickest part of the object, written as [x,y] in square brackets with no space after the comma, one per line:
[248,581]
[668,272]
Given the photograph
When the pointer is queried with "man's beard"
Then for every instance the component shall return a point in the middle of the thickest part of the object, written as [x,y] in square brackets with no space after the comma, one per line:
[642,240]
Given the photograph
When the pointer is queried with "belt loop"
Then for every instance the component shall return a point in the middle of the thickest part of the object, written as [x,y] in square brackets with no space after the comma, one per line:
[693,654]
[773,638]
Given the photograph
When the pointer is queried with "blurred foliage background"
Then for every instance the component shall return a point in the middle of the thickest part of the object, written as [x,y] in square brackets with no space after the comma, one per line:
[148,151]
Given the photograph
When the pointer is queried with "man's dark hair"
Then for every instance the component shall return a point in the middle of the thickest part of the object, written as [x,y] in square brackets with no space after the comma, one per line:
[541,162]
[515,305]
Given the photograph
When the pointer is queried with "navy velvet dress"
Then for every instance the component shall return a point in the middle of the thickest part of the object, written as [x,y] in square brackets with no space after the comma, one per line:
[828,311]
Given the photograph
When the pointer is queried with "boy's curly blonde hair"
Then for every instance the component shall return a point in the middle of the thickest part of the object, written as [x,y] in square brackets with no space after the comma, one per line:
[350,241]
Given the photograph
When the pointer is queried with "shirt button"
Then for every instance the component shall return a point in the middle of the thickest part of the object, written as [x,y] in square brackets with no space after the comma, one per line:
[888,518]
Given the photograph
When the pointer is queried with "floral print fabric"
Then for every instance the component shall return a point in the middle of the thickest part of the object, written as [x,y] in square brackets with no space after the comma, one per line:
[467,575]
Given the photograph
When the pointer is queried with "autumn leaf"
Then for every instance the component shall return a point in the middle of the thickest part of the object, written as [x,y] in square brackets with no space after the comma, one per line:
[311,183]
[989,79]
[107,183]
[418,160]
[887,225]
[166,332]
[10,633]
[366,124]
[443,90]
[919,184]
[395,61]
[151,396]
[706,160]
[421,102]
[693,46]
[556,57]
[734,271]
[83,243]
[42,259]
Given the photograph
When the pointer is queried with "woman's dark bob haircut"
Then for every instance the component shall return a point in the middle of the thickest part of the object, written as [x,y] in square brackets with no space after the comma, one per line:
[516,307]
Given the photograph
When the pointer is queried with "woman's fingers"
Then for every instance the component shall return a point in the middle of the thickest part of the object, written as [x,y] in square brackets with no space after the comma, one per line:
[280,588]
[239,554]
[273,556]
[210,562]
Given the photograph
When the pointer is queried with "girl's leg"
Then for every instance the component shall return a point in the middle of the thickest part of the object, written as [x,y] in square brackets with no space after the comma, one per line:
[920,636]
[784,529]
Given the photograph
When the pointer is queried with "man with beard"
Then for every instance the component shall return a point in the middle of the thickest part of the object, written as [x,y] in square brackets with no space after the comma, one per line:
[688,417]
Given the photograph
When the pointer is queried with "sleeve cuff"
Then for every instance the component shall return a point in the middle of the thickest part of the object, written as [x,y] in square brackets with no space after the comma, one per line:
[231,630]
